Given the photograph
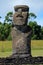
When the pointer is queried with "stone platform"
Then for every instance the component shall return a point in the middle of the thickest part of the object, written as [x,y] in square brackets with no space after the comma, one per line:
[25,60]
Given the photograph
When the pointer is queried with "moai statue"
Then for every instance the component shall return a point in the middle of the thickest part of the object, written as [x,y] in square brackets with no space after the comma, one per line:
[21,32]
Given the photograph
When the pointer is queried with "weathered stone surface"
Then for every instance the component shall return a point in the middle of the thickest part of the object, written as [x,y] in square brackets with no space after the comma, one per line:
[20,16]
[21,32]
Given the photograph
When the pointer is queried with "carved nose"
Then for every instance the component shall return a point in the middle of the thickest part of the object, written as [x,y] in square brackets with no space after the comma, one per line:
[19,11]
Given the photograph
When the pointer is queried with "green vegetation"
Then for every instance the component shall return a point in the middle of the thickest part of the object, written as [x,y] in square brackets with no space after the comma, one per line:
[36,48]
[5,48]
[6,26]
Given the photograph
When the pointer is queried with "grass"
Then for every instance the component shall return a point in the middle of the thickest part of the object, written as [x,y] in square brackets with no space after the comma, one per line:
[5,48]
[36,48]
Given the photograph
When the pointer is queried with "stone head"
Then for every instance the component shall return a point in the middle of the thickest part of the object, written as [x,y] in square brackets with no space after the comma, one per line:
[20,16]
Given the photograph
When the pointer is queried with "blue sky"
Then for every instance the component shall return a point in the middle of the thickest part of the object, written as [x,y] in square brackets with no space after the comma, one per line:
[36,6]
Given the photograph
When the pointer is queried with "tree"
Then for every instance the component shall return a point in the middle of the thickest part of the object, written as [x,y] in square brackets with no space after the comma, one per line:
[5,30]
[37,31]
[1,32]
[8,17]
[32,25]
[32,15]
[0,16]
[42,32]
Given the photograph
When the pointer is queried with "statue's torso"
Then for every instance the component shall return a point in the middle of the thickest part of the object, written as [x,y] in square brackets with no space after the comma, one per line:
[19,41]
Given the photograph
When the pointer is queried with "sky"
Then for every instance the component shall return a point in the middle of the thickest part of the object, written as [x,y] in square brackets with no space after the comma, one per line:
[35,6]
